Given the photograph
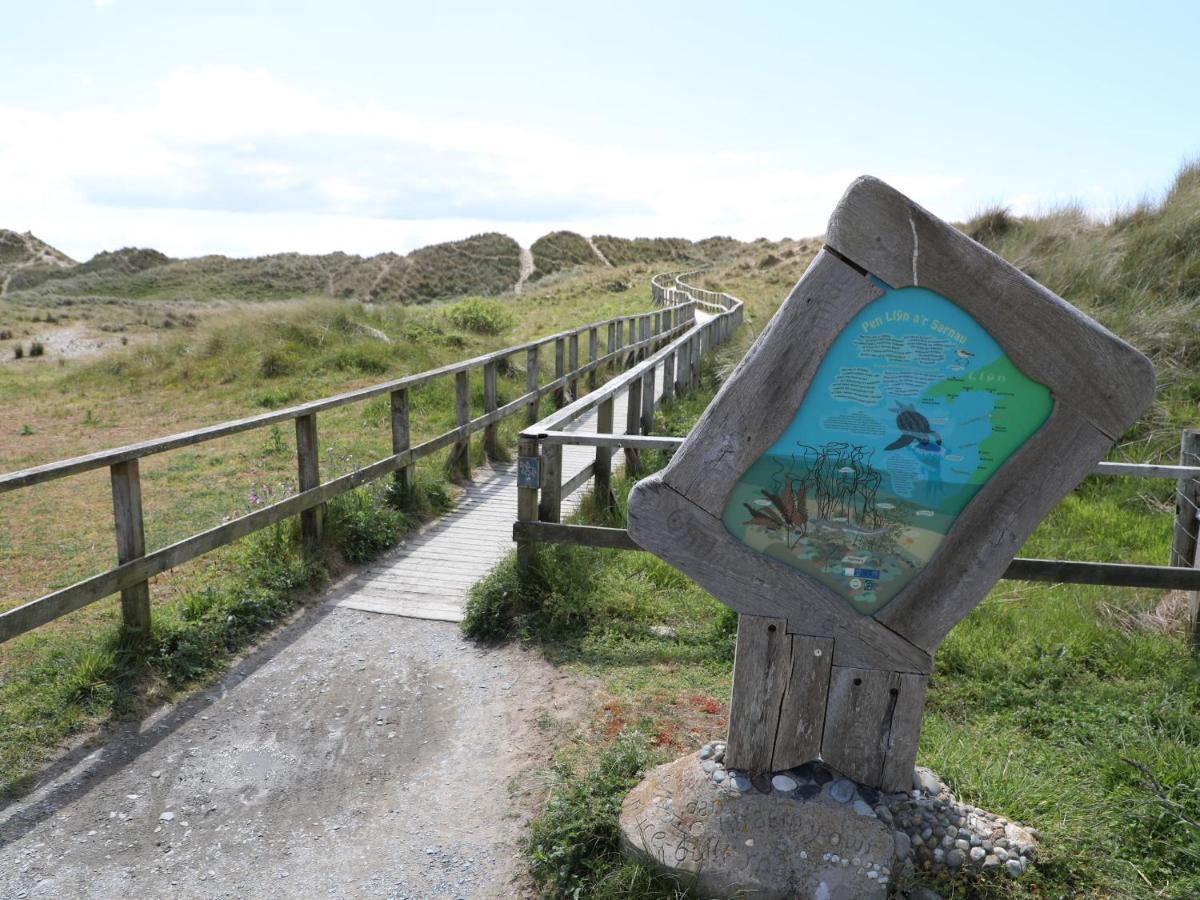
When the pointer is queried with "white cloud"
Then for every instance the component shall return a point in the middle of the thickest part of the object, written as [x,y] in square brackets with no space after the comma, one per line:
[235,161]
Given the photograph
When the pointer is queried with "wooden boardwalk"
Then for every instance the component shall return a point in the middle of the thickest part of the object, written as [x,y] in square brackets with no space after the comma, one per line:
[429,574]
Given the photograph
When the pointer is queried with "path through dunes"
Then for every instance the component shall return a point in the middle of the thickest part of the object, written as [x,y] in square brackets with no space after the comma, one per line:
[351,755]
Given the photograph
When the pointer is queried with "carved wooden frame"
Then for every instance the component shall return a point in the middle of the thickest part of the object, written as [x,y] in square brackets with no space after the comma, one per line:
[1099,384]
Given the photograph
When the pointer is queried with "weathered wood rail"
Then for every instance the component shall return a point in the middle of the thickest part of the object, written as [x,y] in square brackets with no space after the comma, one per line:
[541,489]
[617,342]
[538,520]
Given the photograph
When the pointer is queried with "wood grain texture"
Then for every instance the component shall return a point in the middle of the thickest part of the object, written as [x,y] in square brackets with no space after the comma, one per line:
[603,464]
[1084,365]
[689,538]
[762,667]
[308,465]
[758,400]
[550,505]
[458,462]
[131,543]
[802,712]
[400,434]
[872,722]
[491,443]
[633,425]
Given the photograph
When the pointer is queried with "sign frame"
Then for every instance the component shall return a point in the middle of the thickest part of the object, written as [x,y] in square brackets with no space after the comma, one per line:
[878,663]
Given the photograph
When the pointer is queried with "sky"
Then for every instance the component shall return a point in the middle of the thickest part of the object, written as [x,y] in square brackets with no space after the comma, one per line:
[254,127]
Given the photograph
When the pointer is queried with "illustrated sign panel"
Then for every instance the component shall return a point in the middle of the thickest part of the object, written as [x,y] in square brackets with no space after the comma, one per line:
[913,409]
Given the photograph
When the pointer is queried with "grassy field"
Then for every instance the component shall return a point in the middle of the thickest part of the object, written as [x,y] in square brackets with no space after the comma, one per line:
[225,362]
[1074,709]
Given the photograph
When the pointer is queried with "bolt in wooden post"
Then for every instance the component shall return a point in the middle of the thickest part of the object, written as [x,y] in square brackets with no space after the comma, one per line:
[550,507]
[573,363]
[131,544]
[491,443]
[308,467]
[602,470]
[458,464]
[648,380]
[531,383]
[593,355]
[558,372]
[633,421]
[527,506]
[1184,544]
[400,436]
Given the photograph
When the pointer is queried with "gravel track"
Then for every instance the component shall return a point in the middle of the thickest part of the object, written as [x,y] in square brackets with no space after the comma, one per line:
[350,755]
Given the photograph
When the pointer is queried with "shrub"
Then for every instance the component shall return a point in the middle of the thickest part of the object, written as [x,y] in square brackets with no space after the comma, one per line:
[18,352]
[37,348]
[275,363]
[362,525]
[482,316]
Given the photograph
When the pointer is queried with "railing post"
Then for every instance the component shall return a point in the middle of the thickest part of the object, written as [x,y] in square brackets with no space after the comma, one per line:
[602,471]
[308,470]
[666,319]
[616,340]
[491,443]
[558,371]
[531,383]
[695,359]
[656,328]
[528,484]
[633,421]
[550,507]
[643,335]
[573,363]
[1184,549]
[683,368]
[632,356]
[131,544]
[458,463]
[400,436]
[668,391]
[593,355]
[648,386]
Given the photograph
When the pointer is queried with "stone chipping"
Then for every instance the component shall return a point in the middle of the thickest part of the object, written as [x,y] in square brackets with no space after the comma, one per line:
[933,830]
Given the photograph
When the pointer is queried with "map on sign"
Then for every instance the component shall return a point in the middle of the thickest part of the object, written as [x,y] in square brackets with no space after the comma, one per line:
[913,409]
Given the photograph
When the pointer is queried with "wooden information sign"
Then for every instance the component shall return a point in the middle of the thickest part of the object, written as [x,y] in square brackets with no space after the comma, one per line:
[910,414]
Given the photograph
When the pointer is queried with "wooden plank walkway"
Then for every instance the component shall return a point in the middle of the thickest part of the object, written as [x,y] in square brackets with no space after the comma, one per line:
[428,575]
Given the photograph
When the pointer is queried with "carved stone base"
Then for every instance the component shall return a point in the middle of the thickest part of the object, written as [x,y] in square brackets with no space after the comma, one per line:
[763,837]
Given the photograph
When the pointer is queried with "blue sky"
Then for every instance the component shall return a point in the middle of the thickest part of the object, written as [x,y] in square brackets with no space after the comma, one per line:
[252,127]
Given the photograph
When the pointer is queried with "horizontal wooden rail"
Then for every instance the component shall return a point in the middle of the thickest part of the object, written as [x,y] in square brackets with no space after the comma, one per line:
[131,576]
[62,468]
[1058,571]
[656,442]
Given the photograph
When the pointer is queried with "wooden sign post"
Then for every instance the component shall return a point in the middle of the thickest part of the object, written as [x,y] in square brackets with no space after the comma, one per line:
[911,413]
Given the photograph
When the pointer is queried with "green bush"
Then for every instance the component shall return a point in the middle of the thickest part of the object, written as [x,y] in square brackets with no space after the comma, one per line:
[482,316]
[362,525]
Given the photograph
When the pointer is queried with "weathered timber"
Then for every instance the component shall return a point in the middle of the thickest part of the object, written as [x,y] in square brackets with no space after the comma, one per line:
[802,710]
[872,723]
[131,545]
[762,668]
[491,441]
[527,503]
[550,505]
[458,462]
[603,464]
[308,464]
[582,535]
[400,435]
[633,423]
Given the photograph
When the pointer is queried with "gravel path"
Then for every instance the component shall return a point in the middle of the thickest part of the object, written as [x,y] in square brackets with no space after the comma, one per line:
[351,755]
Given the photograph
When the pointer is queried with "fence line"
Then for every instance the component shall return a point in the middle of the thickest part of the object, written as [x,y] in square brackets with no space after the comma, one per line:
[627,339]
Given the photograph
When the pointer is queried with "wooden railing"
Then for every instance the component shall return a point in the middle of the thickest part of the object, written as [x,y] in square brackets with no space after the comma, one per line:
[626,339]
[540,486]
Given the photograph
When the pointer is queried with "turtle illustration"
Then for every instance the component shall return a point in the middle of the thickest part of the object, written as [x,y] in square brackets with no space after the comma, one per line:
[913,427]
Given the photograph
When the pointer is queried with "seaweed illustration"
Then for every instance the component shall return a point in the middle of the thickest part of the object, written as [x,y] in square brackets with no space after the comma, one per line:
[788,512]
[841,480]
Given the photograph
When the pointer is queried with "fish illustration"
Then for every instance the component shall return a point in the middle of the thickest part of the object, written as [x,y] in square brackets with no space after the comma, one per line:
[913,427]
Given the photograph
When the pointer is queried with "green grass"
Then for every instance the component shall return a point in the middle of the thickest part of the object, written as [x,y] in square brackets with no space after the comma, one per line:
[1046,704]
